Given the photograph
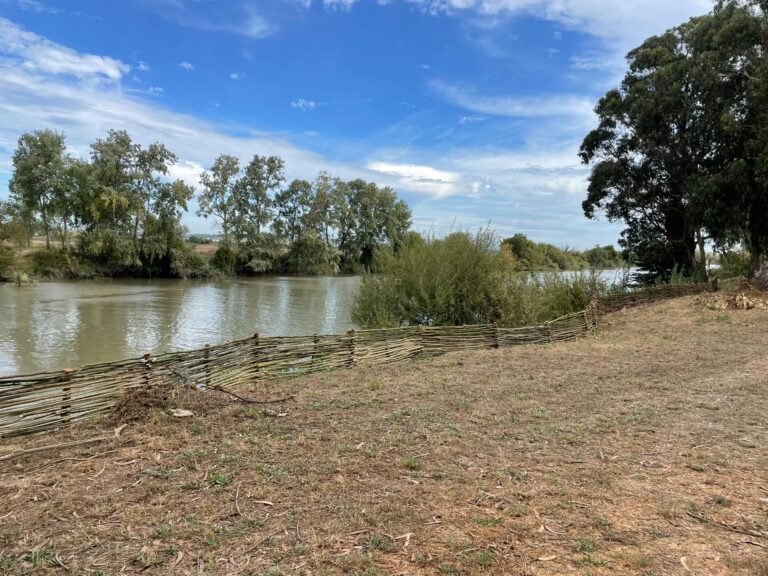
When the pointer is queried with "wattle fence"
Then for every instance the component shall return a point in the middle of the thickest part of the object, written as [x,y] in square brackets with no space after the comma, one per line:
[44,401]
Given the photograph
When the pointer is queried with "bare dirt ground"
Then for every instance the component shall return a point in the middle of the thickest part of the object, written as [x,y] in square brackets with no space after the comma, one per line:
[640,450]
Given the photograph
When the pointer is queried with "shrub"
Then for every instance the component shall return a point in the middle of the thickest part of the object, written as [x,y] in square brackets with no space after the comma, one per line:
[312,256]
[734,264]
[224,259]
[59,263]
[465,279]
[7,262]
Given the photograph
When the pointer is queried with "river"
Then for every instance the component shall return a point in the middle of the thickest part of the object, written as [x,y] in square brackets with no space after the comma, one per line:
[53,325]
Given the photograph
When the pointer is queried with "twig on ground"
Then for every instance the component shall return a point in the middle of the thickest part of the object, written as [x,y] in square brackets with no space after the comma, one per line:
[248,401]
[707,520]
[53,447]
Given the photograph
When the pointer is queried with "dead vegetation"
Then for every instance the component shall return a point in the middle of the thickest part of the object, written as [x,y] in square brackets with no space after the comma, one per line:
[746,298]
[639,450]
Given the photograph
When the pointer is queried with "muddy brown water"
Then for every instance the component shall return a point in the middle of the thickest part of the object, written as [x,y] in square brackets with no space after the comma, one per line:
[54,325]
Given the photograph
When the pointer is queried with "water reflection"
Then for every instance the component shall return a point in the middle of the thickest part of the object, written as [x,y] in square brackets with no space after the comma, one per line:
[67,324]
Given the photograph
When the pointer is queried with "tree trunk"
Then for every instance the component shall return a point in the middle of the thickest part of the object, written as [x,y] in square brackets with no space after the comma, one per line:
[755,255]
[45,227]
[702,253]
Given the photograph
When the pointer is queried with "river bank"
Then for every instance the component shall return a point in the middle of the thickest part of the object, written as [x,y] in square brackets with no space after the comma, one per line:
[619,453]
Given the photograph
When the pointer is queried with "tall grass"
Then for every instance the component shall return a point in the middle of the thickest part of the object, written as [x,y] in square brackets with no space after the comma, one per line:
[466,279]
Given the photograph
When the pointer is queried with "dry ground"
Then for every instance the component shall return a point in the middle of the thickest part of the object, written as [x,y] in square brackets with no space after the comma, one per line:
[640,450]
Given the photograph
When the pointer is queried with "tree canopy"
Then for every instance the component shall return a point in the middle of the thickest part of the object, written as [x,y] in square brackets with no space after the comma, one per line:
[680,151]
[126,212]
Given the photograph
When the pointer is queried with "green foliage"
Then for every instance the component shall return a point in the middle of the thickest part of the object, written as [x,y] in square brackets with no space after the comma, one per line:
[59,263]
[733,264]
[310,255]
[680,155]
[465,279]
[126,213]
[224,259]
[7,262]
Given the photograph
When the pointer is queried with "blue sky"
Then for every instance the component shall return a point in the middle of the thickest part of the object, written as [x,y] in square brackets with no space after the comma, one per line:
[472,110]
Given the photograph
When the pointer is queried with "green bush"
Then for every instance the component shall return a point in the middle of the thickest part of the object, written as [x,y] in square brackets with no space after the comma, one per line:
[465,279]
[59,263]
[224,259]
[7,262]
[311,256]
[733,264]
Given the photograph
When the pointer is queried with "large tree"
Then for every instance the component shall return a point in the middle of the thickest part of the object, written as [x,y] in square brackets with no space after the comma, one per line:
[37,183]
[255,190]
[646,154]
[218,196]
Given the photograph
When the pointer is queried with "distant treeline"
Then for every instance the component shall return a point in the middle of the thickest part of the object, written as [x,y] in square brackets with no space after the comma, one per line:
[539,256]
[119,213]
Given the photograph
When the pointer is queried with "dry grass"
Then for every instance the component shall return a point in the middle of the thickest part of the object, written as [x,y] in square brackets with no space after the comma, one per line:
[591,457]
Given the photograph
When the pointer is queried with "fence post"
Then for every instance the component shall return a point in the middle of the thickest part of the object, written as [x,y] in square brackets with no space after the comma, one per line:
[495,334]
[352,348]
[147,369]
[315,341]
[66,407]
[255,339]
[207,356]
[549,331]
[421,340]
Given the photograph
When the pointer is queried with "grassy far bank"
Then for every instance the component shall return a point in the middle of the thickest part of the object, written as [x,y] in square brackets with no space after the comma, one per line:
[618,454]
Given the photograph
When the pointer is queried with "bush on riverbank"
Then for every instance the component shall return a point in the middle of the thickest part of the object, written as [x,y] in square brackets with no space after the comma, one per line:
[466,279]
[7,262]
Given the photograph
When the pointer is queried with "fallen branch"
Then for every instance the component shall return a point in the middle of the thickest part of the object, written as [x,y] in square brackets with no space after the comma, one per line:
[707,520]
[20,453]
[246,400]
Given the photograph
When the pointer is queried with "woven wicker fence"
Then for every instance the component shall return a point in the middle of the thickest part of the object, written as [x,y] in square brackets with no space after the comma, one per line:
[45,401]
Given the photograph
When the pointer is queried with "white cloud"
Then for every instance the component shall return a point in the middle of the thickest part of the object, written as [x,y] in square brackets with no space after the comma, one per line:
[609,19]
[339,4]
[304,105]
[438,183]
[186,65]
[188,172]
[35,53]
[251,24]
[39,7]
[472,119]
[143,66]
[236,75]
[155,91]
[516,106]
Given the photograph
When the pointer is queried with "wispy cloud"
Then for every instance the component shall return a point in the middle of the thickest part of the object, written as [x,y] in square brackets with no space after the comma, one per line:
[35,53]
[39,7]
[143,66]
[303,105]
[472,119]
[515,106]
[339,4]
[186,65]
[190,14]
[236,75]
